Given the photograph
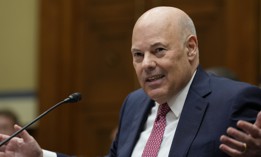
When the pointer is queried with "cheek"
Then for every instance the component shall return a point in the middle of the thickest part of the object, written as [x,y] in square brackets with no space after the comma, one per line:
[137,70]
[175,72]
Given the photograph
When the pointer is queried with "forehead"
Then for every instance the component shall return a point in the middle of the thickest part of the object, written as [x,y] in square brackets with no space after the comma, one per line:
[153,33]
[5,119]
[160,25]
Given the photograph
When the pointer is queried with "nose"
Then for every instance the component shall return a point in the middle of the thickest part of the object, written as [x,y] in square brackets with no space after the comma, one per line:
[148,63]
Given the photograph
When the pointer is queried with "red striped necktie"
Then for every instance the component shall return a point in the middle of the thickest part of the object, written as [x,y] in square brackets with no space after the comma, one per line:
[153,144]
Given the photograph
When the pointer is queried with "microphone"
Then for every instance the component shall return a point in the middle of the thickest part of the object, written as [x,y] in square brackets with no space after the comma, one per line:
[75,97]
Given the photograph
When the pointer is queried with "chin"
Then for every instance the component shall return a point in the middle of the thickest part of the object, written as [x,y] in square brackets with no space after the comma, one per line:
[159,97]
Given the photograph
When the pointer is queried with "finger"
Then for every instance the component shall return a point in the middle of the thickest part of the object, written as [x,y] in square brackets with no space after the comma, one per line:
[237,134]
[2,148]
[258,120]
[2,154]
[249,128]
[24,134]
[230,151]
[233,144]
[3,137]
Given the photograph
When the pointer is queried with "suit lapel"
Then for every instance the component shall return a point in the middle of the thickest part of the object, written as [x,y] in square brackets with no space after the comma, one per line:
[192,115]
[189,124]
[136,127]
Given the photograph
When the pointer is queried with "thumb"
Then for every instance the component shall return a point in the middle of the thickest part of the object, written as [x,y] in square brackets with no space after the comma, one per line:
[258,120]
[24,134]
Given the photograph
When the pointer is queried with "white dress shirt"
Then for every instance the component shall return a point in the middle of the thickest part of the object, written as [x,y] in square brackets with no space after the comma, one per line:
[47,153]
[176,104]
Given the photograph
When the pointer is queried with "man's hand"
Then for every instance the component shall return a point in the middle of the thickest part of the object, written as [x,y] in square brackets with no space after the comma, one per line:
[245,143]
[22,146]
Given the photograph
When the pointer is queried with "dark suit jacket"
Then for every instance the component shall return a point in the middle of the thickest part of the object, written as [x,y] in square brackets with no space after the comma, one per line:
[212,105]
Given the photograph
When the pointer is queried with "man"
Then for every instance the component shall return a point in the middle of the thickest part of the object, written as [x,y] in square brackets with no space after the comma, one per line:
[181,111]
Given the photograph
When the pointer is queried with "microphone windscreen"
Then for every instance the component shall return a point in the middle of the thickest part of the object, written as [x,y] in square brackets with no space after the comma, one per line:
[75,97]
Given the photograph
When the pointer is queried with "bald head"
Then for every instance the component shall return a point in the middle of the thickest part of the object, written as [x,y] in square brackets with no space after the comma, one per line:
[172,18]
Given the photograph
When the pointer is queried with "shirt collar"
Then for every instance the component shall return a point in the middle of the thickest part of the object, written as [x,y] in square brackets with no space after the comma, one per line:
[176,102]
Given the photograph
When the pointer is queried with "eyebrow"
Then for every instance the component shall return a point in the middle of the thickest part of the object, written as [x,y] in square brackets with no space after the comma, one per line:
[151,46]
[158,44]
[134,50]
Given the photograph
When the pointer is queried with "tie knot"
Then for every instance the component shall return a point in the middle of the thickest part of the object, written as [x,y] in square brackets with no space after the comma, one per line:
[163,109]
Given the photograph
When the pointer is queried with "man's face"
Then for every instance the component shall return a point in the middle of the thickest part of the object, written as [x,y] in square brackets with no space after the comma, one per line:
[6,125]
[160,59]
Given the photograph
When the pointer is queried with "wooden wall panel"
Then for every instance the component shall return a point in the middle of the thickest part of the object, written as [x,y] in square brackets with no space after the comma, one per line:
[107,75]
[242,29]
[55,73]
[85,47]
[90,54]
[259,43]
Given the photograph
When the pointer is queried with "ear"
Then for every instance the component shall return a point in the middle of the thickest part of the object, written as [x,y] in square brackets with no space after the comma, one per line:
[192,47]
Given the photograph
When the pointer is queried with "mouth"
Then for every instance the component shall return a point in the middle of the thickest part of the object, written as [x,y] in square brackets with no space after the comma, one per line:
[154,78]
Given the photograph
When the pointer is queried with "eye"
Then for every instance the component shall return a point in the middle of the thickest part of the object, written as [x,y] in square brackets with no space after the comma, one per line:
[160,51]
[137,56]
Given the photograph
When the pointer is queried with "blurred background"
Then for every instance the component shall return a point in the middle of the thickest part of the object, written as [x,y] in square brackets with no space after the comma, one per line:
[52,48]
